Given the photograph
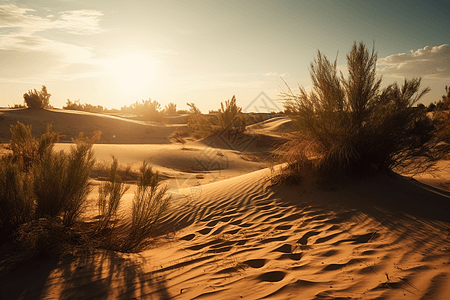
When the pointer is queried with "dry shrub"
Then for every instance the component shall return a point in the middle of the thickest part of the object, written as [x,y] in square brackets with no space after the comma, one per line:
[42,198]
[149,204]
[61,181]
[110,195]
[230,116]
[16,197]
[26,148]
[199,125]
[350,126]
[43,238]
[179,137]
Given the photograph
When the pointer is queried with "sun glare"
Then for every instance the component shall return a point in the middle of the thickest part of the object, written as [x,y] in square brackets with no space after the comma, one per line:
[132,72]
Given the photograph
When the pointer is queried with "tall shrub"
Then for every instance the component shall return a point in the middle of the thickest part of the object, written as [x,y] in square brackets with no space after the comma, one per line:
[350,125]
[149,204]
[230,116]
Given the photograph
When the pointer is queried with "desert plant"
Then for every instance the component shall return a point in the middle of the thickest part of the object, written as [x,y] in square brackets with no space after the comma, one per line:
[170,109]
[149,204]
[61,181]
[16,197]
[26,148]
[110,194]
[179,137]
[352,126]
[37,99]
[230,116]
[199,126]
[42,238]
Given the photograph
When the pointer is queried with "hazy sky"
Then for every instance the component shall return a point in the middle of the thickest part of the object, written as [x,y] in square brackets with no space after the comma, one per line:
[113,53]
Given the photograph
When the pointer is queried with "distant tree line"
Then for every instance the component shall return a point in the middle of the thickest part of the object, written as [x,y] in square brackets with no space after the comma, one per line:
[145,109]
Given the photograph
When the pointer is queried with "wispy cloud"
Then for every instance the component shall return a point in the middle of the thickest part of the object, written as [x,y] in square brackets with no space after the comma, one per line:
[20,28]
[276,74]
[74,21]
[426,62]
[80,21]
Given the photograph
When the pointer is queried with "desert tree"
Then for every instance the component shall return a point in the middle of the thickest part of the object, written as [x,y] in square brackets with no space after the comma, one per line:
[350,125]
[37,99]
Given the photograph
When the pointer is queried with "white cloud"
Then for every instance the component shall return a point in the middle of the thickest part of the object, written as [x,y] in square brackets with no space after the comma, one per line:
[19,33]
[426,62]
[75,21]
[80,21]
[276,74]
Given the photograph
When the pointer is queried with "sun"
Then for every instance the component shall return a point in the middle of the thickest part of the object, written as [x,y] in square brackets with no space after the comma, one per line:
[132,72]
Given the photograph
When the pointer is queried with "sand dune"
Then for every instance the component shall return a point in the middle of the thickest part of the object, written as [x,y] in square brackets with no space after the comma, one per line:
[242,239]
[230,235]
[115,130]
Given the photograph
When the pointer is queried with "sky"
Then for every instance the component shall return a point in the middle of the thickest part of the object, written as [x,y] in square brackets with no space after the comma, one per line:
[114,53]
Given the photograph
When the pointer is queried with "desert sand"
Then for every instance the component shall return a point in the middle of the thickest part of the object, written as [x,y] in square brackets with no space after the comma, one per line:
[229,234]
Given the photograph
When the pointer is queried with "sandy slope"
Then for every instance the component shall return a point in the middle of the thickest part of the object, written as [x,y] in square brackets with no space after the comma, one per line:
[376,239]
[239,238]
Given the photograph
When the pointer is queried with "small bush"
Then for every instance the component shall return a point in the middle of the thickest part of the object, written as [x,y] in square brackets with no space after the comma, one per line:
[61,182]
[149,204]
[179,137]
[170,109]
[43,238]
[109,195]
[230,116]
[352,126]
[26,149]
[199,125]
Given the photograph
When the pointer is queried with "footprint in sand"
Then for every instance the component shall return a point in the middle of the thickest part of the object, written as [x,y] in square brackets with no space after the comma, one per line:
[234,231]
[283,227]
[220,250]
[286,248]
[188,237]
[291,256]
[275,239]
[204,231]
[212,223]
[273,276]
[306,236]
[255,263]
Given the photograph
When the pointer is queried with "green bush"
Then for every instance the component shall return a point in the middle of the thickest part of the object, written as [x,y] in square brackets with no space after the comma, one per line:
[349,125]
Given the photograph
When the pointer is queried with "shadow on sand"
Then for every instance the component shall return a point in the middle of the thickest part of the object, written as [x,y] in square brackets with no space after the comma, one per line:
[106,275]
